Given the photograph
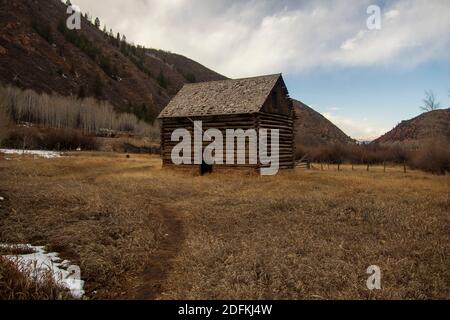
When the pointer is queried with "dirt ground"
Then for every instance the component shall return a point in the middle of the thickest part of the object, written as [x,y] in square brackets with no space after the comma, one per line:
[142,232]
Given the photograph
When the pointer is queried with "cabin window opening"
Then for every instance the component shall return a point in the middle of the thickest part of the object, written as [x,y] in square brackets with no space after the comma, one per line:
[205,168]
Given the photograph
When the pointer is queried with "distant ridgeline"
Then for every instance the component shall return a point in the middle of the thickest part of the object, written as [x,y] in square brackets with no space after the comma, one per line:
[55,111]
[416,132]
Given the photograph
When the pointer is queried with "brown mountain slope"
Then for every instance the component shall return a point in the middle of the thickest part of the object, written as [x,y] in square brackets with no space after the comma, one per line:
[429,125]
[38,52]
[314,129]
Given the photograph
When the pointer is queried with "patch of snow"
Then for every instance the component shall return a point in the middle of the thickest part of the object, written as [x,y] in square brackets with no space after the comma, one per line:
[40,262]
[25,124]
[36,153]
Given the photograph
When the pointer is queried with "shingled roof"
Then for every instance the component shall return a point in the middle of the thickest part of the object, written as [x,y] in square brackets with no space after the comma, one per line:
[221,97]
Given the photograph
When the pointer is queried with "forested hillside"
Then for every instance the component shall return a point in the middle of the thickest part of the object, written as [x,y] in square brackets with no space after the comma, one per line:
[38,51]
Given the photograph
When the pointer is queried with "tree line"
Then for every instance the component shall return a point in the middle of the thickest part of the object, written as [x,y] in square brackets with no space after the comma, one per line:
[432,156]
[54,111]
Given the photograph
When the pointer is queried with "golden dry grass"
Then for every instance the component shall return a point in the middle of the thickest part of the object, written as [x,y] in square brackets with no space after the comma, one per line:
[298,235]
[15,285]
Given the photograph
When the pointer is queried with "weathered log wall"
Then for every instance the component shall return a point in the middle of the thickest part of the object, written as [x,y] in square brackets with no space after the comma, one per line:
[285,123]
[263,120]
[222,123]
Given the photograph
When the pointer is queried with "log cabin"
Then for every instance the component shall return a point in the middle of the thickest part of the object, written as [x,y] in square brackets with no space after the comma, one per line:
[252,103]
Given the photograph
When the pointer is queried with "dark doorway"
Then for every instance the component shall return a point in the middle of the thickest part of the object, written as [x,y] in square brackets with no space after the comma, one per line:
[205,168]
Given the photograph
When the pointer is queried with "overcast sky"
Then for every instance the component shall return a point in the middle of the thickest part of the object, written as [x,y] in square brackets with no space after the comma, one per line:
[365,81]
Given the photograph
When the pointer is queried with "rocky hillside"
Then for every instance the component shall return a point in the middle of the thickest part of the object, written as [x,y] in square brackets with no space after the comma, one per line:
[314,129]
[38,52]
[429,125]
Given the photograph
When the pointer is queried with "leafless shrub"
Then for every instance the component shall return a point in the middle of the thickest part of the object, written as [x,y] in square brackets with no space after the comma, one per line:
[336,153]
[68,139]
[355,154]
[49,139]
[23,138]
[434,157]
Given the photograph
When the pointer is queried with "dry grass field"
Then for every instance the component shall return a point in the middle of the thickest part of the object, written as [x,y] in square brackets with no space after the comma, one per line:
[139,231]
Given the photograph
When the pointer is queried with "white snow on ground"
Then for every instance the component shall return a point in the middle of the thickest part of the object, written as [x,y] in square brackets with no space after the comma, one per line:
[36,153]
[39,263]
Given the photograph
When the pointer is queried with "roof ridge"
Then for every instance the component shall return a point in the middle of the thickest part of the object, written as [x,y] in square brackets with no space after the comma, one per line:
[231,96]
[226,80]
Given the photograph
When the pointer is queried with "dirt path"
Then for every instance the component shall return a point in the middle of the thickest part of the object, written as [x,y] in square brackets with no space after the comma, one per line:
[161,262]
[152,282]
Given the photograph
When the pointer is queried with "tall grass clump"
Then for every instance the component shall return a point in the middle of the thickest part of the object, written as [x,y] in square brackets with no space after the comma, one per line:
[17,285]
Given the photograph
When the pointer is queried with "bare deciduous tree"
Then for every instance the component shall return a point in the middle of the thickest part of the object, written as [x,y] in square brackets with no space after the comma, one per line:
[429,102]
[4,126]
[60,112]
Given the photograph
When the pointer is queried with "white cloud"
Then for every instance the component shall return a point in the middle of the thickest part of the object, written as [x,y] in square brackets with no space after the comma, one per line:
[411,33]
[350,44]
[360,129]
[391,14]
[241,38]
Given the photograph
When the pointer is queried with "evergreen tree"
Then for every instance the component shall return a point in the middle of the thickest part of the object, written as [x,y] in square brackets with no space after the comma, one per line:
[87,16]
[190,77]
[97,87]
[115,71]
[162,81]
[97,23]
